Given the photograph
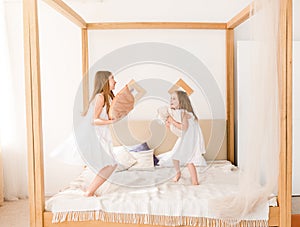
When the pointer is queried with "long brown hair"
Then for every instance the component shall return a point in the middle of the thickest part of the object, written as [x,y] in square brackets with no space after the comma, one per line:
[101,85]
[185,103]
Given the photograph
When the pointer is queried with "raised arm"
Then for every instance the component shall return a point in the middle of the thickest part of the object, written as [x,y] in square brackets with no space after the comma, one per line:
[184,124]
[99,103]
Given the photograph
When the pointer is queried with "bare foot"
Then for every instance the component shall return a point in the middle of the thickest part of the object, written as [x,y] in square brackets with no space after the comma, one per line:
[177,177]
[195,183]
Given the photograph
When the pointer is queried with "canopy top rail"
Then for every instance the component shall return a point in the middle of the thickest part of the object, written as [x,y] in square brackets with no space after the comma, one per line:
[156,25]
[61,7]
[67,11]
[241,17]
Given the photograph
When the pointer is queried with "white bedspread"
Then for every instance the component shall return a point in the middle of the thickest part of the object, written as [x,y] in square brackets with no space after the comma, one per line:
[168,198]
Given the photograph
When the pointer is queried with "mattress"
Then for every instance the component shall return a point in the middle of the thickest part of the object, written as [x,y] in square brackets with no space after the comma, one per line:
[151,197]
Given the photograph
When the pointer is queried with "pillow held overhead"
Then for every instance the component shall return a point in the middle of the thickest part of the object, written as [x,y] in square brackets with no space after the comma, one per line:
[122,104]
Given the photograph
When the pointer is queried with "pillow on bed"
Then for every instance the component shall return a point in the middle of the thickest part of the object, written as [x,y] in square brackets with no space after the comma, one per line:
[122,104]
[138,147]
[123,157]
[142,147]
[144,160]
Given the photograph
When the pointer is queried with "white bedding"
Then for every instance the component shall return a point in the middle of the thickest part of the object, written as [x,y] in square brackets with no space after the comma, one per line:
[168,198]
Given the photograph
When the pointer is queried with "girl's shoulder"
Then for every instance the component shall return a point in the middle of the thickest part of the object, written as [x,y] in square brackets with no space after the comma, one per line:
[187,114]
[98,99]
[99,95]
[179,114]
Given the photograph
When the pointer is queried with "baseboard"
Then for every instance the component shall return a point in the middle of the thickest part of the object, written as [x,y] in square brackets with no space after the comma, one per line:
[295,220]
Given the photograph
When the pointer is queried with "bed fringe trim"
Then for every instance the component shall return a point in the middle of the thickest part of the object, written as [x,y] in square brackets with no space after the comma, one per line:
[153,219]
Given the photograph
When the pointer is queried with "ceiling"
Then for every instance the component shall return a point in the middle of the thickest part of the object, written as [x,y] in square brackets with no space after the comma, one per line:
[157,10]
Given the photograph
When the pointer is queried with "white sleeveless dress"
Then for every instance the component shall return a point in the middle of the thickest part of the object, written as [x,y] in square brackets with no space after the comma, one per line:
[95,142]
[191,145]
[88,144]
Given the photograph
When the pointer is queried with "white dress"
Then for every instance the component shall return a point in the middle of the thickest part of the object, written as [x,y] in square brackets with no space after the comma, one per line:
[94,142]
[190,146]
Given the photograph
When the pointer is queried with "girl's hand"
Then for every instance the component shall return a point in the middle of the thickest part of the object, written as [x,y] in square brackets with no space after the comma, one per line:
[170,120]
[111,121]
[167,124]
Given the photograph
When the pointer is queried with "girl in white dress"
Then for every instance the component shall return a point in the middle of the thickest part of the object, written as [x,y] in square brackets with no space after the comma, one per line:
[98,109]
[188,148]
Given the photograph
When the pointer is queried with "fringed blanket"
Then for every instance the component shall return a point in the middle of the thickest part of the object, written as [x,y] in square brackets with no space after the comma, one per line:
[159,203]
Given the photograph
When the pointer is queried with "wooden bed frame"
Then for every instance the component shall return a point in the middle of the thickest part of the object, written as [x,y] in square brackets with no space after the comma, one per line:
[279,216]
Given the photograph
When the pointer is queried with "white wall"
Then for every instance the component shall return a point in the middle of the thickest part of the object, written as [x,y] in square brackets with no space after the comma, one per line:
[13,119]
[60,50]
[296,118]
[207,46]
[296,95]
[157,10]
[296,20]
[243,94]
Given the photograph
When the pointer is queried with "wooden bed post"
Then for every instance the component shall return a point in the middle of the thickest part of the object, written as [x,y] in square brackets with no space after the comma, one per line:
[289,109]
[285,78]
[85,67]
[230,93]
[33,113]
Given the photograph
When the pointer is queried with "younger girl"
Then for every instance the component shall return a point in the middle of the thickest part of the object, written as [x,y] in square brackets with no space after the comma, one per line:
[99,104]
[190,146]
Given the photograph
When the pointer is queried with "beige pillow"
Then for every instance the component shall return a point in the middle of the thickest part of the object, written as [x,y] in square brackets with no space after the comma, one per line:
[144,160]
[123,157]
[122,104]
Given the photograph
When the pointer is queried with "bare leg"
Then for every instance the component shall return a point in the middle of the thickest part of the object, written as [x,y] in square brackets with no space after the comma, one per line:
[193,173]
[177,168]
[101,177]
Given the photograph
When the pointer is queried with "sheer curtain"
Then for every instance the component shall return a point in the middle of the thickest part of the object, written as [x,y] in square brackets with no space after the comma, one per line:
[260,146]
[12,102]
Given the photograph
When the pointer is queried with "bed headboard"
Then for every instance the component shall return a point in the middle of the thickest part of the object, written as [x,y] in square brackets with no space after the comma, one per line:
[129,132]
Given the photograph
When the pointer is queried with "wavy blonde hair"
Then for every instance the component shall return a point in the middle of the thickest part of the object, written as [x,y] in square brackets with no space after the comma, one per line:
[101,85]
[185,103]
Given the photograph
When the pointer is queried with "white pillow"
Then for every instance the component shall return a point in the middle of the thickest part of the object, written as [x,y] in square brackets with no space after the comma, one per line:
[144,160]
[123,157]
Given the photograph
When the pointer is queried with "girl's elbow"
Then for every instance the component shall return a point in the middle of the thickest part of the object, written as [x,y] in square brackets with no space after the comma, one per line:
[98,122]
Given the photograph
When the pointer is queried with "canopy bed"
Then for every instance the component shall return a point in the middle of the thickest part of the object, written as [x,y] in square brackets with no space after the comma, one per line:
[278,216]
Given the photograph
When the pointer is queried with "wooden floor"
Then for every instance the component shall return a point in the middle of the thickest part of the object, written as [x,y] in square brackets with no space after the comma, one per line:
[14,213]
[295,220]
